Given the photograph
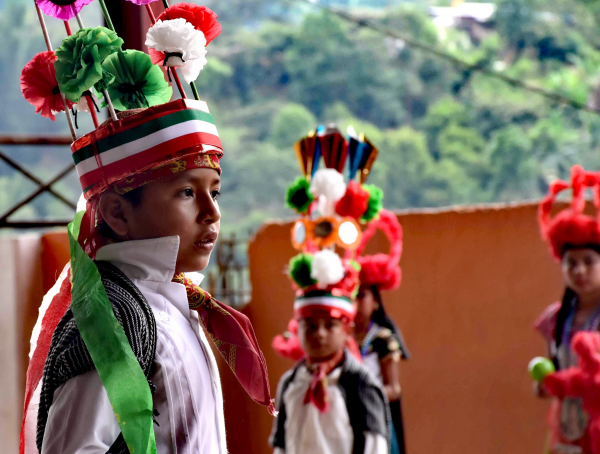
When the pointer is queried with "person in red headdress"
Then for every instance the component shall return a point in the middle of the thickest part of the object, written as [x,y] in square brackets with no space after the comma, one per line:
[381,343]
[574,240]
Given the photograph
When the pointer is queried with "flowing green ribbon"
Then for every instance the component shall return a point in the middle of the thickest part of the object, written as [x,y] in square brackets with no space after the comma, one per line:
[119,370]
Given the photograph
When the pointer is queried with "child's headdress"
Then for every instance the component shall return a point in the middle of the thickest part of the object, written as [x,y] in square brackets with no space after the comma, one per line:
[331,212]
[331,207]
[147,137]
[147,133]
[571,227]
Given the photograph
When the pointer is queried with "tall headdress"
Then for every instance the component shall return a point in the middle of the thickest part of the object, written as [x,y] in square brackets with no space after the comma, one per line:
[571,227]
[332,208]
[147,137]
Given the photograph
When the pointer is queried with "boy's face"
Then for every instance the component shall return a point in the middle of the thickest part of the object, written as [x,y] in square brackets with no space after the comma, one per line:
[321,335]
[183,204]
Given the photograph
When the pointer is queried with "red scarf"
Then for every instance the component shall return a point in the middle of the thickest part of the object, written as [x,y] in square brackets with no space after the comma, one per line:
[317,390]
[232,334]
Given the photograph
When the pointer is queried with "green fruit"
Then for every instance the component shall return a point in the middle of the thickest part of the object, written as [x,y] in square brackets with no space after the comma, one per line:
[540,367]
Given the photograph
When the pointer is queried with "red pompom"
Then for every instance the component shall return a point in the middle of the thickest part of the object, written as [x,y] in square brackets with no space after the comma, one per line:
[355,201]
[378,270]
[40,87]
[570,226]
[201,17]
[574,229]
[288,346]
[382,270]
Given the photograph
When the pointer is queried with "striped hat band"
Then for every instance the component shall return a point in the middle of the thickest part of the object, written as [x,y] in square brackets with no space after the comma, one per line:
[316,301]
[134,144]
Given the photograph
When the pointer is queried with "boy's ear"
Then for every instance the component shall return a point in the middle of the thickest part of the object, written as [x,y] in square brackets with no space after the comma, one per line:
[116,211]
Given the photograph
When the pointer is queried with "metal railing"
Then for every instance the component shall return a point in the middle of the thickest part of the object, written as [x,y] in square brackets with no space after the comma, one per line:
[42,188]
[229,278]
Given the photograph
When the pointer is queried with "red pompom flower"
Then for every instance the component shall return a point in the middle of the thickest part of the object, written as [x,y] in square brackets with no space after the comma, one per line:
[40,87]
[355,201]
[201,17]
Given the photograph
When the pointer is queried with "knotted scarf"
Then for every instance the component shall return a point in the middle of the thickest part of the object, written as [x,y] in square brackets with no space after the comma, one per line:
[233,335]
[317,390]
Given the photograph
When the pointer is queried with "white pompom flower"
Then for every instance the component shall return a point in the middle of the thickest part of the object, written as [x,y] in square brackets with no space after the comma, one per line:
[329,186]
[327,268]
[192,69]
[183,45]
[329,183]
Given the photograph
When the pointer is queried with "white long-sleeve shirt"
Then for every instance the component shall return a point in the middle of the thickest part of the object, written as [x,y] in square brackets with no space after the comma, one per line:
[188,390]
[308,431]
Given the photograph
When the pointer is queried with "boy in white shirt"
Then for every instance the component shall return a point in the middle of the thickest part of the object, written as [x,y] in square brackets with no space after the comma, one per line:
[121,364]
[328,403]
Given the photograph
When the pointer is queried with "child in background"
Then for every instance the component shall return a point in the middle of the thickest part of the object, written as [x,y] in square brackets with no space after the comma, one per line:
[574,240]
[328,403]
[381,343]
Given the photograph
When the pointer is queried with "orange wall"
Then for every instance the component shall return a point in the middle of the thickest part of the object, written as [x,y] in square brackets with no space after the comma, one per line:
[473,282]
[55,255]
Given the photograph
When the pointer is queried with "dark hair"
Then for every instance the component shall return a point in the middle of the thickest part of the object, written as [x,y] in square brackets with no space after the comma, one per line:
[381,317]
[135,198]
[561,319]
[566,304]
[568,247]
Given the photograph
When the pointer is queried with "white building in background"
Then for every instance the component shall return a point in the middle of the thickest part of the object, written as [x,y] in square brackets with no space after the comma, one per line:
[474,18]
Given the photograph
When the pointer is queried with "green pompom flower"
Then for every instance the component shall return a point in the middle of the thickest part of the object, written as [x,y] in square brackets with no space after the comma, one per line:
[298,196]
[375,202]
[79,60]
[104,83]
[138,83]
[300,268]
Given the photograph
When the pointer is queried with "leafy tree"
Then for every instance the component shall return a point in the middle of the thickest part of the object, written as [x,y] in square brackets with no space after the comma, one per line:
[445,134]
[290,124]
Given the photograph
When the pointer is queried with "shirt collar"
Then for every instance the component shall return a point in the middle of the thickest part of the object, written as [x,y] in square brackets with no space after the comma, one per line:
[147,260]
